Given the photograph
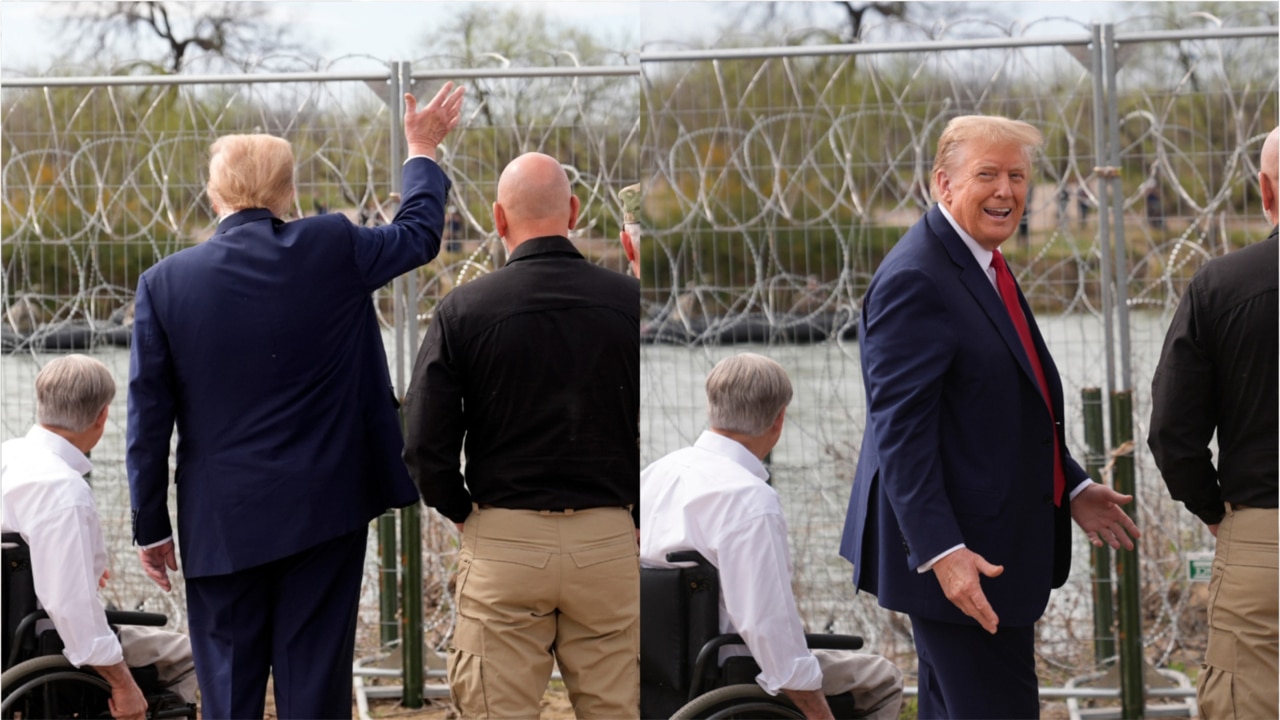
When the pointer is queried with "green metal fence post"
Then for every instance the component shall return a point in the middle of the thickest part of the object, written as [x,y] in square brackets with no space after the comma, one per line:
[411,592]
[405,298]
[388,605]
[1104,617]
[1132,690]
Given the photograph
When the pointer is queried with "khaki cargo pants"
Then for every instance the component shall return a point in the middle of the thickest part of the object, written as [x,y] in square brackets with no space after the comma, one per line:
[1238,679]
[537,586]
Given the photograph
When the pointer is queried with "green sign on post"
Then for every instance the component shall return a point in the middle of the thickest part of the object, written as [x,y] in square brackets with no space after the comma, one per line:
[1199,566]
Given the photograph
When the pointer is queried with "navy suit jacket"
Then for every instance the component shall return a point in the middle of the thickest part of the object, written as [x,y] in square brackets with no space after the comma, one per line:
[263,347]
[958,446]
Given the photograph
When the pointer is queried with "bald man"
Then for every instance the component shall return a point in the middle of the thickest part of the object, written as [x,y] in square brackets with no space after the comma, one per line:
[533,371]
[1218,372]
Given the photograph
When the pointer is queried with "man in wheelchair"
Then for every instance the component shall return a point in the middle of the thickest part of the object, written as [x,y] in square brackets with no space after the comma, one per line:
[714,498]
[48,503]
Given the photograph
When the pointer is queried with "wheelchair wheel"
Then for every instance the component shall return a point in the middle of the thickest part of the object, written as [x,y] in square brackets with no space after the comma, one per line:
[737,702]
[51,687]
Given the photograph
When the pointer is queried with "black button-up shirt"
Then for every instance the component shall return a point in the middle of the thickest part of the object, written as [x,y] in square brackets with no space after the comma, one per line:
[1218,370]
[534,370]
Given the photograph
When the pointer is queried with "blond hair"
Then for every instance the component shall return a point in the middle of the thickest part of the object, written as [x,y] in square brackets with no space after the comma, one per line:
[745,393]
[71,391]
[989,128]
[251,171]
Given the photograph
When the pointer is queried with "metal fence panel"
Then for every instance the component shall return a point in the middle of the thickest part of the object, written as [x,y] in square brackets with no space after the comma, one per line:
[780,178]
[100,181]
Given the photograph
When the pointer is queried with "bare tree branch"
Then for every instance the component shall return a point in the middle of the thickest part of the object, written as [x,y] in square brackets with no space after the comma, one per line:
[237,32]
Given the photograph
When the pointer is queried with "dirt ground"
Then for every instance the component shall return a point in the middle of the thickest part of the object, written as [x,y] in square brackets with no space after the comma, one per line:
[555,706]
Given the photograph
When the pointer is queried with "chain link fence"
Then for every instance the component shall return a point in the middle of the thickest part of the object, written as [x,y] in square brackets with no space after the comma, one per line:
[775,181]
[104,176]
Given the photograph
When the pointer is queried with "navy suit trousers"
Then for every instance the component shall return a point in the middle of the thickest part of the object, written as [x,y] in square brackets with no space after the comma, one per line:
[293,618]
[966,672]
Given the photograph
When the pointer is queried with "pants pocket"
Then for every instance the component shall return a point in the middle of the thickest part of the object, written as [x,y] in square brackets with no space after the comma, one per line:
[466,669]
[1215,692]
[612,551]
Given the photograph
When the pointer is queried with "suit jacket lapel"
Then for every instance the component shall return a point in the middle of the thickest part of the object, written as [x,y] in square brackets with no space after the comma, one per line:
[979,286]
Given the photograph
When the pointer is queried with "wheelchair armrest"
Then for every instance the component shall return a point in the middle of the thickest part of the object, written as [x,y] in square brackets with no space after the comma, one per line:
[822,641]
[130,617]
[709,656]
[26,626]
[114,617]
[710,653]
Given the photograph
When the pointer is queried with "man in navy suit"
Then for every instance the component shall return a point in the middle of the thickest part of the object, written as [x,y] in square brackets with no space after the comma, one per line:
[263,347]
[959,514]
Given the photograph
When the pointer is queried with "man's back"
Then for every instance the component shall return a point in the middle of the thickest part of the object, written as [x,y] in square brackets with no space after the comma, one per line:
[693,499]
[1218,371]
[545,353]
[1236,307]
[713,498]
[262,345]
[38,482]
[51,506]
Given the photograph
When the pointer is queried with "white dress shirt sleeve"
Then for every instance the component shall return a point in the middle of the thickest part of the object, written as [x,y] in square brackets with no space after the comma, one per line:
[755,581]
[68,557]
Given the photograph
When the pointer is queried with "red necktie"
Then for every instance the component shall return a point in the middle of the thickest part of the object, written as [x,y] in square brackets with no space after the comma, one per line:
[1009,293]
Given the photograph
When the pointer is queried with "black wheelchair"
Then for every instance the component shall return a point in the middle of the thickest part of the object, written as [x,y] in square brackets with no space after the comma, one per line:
[37,681]
[680,641]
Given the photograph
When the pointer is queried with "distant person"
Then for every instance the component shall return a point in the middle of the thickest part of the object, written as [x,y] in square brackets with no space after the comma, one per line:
[1024,224]
[715,498]
[262,346]
[370,214]
[533,371]
[1155,209]
[811,299]
[1064,199]
[453,230]
[962,502]
[48,502]
[1082,205]
[1217,374]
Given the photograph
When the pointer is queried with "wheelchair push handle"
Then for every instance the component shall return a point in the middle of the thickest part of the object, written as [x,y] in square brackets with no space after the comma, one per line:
[132,617]
[693,556]
[819,641]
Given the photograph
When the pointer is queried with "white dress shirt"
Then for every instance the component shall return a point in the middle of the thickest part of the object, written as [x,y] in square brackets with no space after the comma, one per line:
[713,498]
[48,502]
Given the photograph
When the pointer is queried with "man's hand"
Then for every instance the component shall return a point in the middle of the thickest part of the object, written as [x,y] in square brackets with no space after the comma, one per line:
[960,575]
[126,702]
[158,561]
[1213,529]
[425,129]
[810,702]
[102,581]
[1097,511]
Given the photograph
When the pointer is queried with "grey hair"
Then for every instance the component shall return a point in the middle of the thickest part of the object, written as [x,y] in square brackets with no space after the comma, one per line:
[71,391]
[745,393]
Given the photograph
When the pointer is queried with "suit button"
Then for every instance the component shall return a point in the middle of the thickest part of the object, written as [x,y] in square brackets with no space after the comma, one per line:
[1046,498]
[1047,442]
